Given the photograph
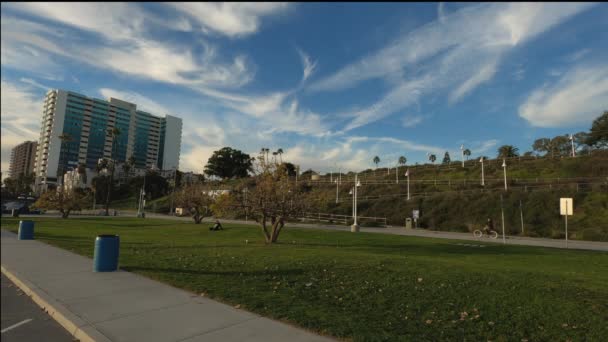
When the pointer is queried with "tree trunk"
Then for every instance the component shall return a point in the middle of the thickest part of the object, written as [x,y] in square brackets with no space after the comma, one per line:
[65,214]
[265,231]
[197,218]
[109,191]
[276,230]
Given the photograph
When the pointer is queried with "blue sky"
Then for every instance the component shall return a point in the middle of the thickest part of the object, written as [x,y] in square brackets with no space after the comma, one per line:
[333,84]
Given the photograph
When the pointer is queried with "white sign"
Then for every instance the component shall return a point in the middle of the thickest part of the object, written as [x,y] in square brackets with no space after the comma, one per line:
[565,206]
[415,214]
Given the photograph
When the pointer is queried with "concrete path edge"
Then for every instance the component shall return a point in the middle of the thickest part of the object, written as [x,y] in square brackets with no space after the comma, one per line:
[75,325]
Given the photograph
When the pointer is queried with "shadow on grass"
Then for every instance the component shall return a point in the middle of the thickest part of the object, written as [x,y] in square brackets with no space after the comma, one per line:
[220,273]
[455,247]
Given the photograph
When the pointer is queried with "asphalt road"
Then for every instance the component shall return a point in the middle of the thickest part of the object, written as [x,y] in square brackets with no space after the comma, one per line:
[24,321]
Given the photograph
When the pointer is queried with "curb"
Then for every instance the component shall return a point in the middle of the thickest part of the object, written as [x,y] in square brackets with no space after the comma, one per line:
[76,326]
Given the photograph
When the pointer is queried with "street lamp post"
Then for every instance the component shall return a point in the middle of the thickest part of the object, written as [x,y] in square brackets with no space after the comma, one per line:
[462,154]
[337,184]
[397,173]
[407,174]
[483,183]
[572,141]
[504,166]
[355,227]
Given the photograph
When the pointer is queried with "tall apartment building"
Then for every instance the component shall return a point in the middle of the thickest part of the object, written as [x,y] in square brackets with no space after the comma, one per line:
[75,131]
[23,157]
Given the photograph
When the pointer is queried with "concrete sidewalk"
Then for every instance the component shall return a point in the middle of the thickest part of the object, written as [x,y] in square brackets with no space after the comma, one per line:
[122,306]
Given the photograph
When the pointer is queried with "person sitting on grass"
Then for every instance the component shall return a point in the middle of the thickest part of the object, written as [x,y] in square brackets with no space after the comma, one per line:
[217,226]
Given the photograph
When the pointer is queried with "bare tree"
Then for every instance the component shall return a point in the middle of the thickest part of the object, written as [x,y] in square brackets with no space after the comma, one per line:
[270,198]
[64,201]
[197,199]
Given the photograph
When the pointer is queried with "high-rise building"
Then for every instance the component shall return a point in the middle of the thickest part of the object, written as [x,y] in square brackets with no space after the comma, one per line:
[81,130]
[23,157]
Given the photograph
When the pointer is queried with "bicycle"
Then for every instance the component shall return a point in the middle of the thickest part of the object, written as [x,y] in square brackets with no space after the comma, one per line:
[479,233]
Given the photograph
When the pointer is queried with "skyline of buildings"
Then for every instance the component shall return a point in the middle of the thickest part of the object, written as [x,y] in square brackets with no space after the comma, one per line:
[86,123]
[23,157]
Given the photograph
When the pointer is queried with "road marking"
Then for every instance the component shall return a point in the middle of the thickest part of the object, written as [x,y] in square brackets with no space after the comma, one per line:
[16,325]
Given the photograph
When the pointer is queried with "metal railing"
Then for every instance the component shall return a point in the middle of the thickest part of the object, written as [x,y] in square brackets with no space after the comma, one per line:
[343,219]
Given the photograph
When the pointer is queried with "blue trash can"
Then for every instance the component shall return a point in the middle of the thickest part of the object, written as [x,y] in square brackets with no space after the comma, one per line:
[26,230]
[106,253]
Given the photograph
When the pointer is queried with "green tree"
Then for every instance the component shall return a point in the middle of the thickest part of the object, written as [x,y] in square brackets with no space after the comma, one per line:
[229,163]
[560,146]
[432,158]
[507,151]
[598,135]
[467,153]
[21,185]
[446,158]
[290,169]
[542,146]
[402,160]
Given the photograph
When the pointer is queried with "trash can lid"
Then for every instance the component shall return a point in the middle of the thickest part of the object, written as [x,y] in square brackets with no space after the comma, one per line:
[103,236]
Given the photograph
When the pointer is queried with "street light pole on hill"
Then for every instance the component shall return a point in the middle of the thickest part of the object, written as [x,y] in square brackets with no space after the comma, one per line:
[483,183]
[504,166]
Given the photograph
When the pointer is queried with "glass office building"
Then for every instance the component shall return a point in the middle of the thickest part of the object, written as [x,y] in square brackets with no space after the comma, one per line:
[75,131]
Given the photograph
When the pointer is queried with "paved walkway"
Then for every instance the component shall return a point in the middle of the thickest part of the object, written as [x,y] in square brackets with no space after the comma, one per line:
[122,306]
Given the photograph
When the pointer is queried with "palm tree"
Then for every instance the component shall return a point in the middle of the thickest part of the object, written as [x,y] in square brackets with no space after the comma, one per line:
[402,160]
[432,158]
[82,170]
[280,152]
[274,157]
[467,153]
[115,133]
[376,161]
[507,151]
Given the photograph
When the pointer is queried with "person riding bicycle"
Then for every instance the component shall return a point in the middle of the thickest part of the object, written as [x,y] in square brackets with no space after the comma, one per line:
[489,227]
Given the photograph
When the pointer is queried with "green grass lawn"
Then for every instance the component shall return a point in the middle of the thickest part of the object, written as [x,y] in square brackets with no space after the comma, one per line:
[365,286]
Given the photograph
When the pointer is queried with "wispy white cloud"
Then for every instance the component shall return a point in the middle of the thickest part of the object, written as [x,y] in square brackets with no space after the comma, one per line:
[143,102]
[579,96]
[229,19]
[34,83]
[127,48]
[308,65]
[446,55]
[411,120]
[484,74]
[20,108]
[575,56]
[441,12]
